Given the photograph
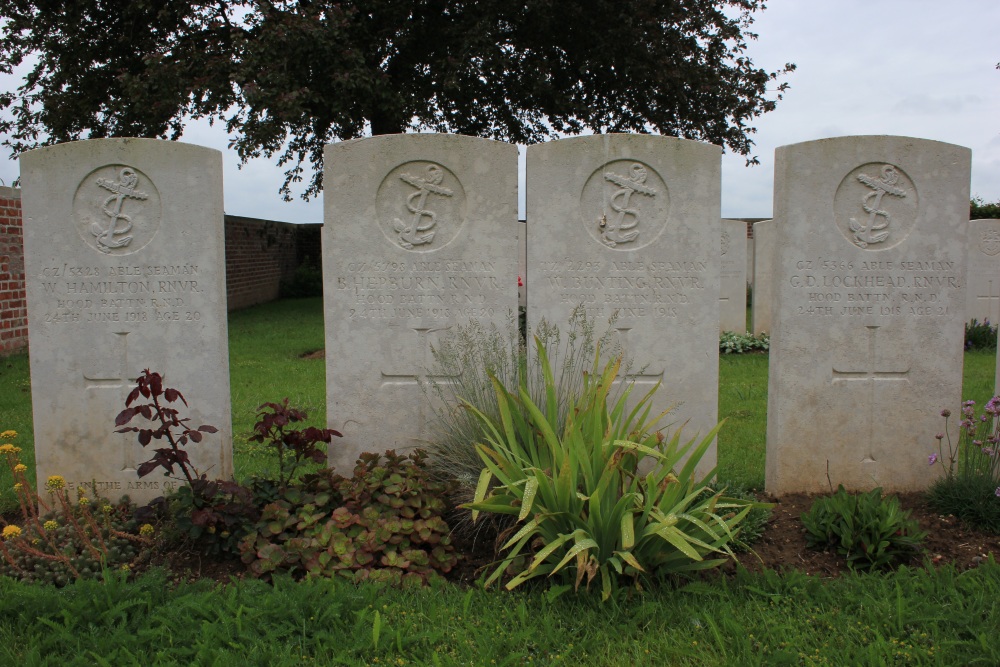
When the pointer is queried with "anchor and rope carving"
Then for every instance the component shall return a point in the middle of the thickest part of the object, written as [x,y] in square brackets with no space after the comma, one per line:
[866,233]
[619,230]
[415,233]
[120,190]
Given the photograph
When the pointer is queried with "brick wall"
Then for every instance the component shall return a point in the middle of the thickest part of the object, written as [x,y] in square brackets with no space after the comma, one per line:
[13,309]
[262,253]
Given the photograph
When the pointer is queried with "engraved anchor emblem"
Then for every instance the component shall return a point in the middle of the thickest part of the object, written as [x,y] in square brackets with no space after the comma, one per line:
[121,190]
[618,230]
[415,233]
[864,233]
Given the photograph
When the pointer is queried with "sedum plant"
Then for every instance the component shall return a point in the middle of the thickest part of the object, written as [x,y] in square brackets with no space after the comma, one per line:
[585,506]
[870,531]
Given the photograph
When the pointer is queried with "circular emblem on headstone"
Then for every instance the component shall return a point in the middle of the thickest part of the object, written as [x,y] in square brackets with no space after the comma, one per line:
[421,206]
[116,209]
[989,242]
[624,205]
[876,206]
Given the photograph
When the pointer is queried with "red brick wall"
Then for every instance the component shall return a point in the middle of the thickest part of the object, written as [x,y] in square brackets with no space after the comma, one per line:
[259,255]
[13,309]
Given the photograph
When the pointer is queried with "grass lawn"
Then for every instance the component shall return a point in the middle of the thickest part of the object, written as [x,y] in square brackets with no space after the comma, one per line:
[907,617]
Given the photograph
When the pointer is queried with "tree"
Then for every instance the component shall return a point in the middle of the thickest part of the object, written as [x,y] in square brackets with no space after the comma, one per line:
[288,76]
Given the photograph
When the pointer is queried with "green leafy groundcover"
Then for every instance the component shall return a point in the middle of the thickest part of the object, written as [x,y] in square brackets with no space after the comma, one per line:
[909,616]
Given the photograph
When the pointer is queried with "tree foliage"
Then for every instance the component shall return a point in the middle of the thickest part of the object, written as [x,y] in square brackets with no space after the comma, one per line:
[288,76]
[979,209]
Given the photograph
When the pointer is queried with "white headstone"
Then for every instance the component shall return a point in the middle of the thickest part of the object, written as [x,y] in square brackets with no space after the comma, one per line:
[733,291]
[629,224]
[983,293]
[125,266]
[420,234]
[869,310]
[763,275]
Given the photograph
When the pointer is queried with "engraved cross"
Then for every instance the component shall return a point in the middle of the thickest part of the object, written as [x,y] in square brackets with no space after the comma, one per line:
[117,380]
[645,375]
[992,303]
[869,374]
[415,372]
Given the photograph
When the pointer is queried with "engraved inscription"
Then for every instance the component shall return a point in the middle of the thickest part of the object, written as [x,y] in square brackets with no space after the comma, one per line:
[869,373]
[875,206]
[989,242]
[437,289]
[639,288]
[725,243]
[116,209]
[120,293]
[624,204]
[421,206]
[831,287]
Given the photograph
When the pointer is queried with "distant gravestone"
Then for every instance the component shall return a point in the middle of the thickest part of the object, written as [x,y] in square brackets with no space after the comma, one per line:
[869,310]
[733,282]
[763,275]
[420,234]
[983,293]
[628,226]
[125,267]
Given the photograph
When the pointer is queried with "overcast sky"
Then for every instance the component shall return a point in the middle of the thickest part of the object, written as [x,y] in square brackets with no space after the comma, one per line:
[920,68]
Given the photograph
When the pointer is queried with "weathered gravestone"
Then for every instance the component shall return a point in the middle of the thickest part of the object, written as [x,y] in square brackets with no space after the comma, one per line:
[628,225]
[983,291]
[866,347]
[733,277]
[420,234]
[763,275]
[125,267]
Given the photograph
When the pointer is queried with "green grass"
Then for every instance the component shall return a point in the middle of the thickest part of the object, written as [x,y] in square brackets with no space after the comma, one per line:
[266,344]
[908,617]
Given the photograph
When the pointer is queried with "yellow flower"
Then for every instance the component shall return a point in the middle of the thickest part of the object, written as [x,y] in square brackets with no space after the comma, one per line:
[146,529]
[18,486]
[8,435]
[84,500]
[107,509]
[20,467]
[50,525]
[6,448]
[10,532]
[125,567]
[55,482]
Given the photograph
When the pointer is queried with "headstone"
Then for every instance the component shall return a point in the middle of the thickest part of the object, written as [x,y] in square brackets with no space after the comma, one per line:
[629,225]
[763,275]
[983,293]
[869,310]
[125,267]
[733,291]
[420,234]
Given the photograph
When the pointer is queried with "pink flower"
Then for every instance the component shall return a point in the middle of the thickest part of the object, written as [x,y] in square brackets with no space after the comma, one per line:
[997,492]
[932,459]
[520,283]
[946,413]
